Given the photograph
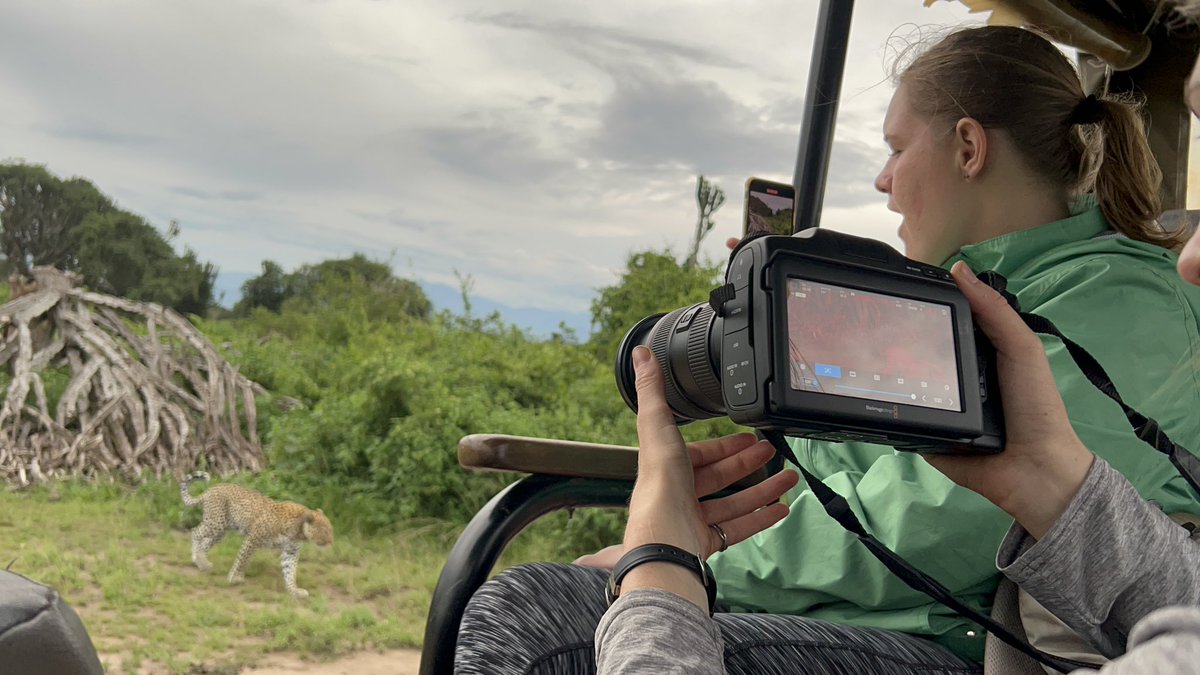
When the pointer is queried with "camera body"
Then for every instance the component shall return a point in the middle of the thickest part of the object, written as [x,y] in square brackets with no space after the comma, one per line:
[829,336]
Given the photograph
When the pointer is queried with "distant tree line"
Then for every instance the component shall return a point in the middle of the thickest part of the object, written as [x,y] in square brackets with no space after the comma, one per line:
[69,224]
[331,283]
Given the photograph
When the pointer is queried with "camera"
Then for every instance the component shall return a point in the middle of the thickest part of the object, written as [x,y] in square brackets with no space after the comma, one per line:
[829,336]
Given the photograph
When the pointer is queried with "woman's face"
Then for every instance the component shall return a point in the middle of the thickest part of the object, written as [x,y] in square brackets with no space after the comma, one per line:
[922,183]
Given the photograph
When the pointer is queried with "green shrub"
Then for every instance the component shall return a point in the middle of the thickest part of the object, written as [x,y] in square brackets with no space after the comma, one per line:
[367,401]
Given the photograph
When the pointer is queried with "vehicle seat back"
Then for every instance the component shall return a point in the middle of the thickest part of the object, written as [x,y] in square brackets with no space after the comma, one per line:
[40,633]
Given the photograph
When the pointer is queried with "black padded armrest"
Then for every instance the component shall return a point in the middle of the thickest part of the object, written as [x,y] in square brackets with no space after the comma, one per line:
[40,633]
[524,454]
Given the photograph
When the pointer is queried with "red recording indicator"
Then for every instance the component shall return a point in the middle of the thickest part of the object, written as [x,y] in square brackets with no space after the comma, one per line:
[772,191]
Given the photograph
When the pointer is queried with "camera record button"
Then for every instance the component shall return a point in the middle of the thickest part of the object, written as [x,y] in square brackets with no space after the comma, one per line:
[737,313]
[737,377]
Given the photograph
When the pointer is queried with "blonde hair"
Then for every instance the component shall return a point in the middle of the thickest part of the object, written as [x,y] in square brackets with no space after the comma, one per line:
[1188,8]
[1017,81]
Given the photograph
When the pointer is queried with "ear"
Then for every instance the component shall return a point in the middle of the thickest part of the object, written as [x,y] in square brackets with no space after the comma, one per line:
[970,147]
[320,512]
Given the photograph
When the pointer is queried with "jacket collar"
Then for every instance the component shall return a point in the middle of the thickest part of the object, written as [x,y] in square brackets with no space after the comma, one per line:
[1010,252]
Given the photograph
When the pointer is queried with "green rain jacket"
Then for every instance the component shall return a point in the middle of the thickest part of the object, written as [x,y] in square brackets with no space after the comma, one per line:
[1121,300]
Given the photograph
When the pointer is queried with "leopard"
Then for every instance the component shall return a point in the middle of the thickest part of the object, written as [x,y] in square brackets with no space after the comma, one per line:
[264,522]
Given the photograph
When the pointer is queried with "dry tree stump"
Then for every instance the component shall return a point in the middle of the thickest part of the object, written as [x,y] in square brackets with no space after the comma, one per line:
[146,391]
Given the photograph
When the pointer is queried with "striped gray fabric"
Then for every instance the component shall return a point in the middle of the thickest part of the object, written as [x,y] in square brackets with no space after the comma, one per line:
[540,619]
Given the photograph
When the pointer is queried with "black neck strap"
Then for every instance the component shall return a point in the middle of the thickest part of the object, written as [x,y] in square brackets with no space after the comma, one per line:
[836,506]
[1146,428]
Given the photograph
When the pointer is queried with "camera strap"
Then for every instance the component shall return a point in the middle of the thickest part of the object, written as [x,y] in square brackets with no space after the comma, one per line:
[1146,429]
[839,509]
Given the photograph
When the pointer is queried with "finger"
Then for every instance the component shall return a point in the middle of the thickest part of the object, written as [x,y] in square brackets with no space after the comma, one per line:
[656,428]
[749,499]
[741,529]
[725,472]
[992,312]
[732,243]
[960,468]
[605,558]
[715,449]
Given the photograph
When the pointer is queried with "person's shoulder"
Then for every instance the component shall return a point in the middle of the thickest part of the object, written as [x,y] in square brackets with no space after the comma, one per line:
[1096,268]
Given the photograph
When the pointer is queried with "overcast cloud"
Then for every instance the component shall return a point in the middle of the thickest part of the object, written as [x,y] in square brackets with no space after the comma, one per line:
[530,144]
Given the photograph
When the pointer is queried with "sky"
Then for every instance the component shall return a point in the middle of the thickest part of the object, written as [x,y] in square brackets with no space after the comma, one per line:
[529,144]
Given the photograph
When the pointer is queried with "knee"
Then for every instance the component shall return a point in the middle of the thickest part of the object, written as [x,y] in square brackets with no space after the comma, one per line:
[536,590]
[532,610]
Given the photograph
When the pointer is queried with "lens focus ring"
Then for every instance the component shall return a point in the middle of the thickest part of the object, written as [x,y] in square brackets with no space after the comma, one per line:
[699,364]
[660,345]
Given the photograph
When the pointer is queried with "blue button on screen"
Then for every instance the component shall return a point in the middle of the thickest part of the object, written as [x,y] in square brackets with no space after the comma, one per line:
[828,371]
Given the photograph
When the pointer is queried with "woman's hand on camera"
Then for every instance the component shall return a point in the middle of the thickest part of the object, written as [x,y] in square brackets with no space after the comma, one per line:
[1043,463]
[665,508]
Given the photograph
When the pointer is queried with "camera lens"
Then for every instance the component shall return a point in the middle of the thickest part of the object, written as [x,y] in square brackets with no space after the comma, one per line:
[686,344]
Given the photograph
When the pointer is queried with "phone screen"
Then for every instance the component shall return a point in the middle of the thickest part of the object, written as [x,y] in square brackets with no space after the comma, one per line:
[770,207]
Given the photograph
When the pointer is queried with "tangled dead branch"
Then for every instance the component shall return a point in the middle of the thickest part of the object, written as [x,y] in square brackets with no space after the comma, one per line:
[144,390]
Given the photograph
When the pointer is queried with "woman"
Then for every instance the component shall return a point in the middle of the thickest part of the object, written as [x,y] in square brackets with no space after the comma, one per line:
[1064,500]
[992,140]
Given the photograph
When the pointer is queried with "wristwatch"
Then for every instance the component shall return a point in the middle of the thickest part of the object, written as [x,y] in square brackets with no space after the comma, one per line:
[661,553]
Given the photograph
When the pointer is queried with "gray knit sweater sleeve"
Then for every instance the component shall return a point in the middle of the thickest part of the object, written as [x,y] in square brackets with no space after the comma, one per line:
[1109,560]
[648,630]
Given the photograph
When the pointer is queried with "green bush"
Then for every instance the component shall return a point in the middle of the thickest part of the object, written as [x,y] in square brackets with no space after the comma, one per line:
[367,401]
[408,394]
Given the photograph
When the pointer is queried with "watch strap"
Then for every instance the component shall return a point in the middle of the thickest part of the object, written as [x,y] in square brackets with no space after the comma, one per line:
[662,553]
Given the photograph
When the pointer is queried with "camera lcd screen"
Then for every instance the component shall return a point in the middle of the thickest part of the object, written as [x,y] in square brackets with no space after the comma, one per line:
[847,342]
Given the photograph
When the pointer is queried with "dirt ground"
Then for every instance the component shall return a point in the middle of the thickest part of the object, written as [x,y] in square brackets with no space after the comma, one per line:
[391,662]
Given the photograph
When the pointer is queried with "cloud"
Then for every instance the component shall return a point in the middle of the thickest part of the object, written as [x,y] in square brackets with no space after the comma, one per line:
[651,121]
[94,134]
[595,39]
[853,167]
[227,195]
[533,148]
[493,153]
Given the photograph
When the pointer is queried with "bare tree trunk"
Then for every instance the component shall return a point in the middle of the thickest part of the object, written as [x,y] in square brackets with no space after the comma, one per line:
[147,391]
[709,198]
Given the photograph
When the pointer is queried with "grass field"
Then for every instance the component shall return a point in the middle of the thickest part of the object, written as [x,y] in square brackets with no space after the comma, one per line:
[122,557]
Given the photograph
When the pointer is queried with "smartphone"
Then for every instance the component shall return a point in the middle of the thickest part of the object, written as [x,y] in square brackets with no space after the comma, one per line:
[770,207]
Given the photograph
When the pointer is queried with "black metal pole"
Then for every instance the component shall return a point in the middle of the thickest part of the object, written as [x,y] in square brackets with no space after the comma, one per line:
[830,44]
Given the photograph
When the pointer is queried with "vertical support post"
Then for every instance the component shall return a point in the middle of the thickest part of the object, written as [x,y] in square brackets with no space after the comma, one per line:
[830,44]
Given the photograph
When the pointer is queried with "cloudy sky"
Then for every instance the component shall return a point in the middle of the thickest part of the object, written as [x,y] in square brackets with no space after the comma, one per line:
[528,143]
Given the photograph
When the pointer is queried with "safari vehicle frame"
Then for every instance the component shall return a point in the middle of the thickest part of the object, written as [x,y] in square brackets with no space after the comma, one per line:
[1117,54]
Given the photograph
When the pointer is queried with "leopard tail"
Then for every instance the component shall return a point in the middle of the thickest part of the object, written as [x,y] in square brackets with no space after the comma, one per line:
[189,500]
